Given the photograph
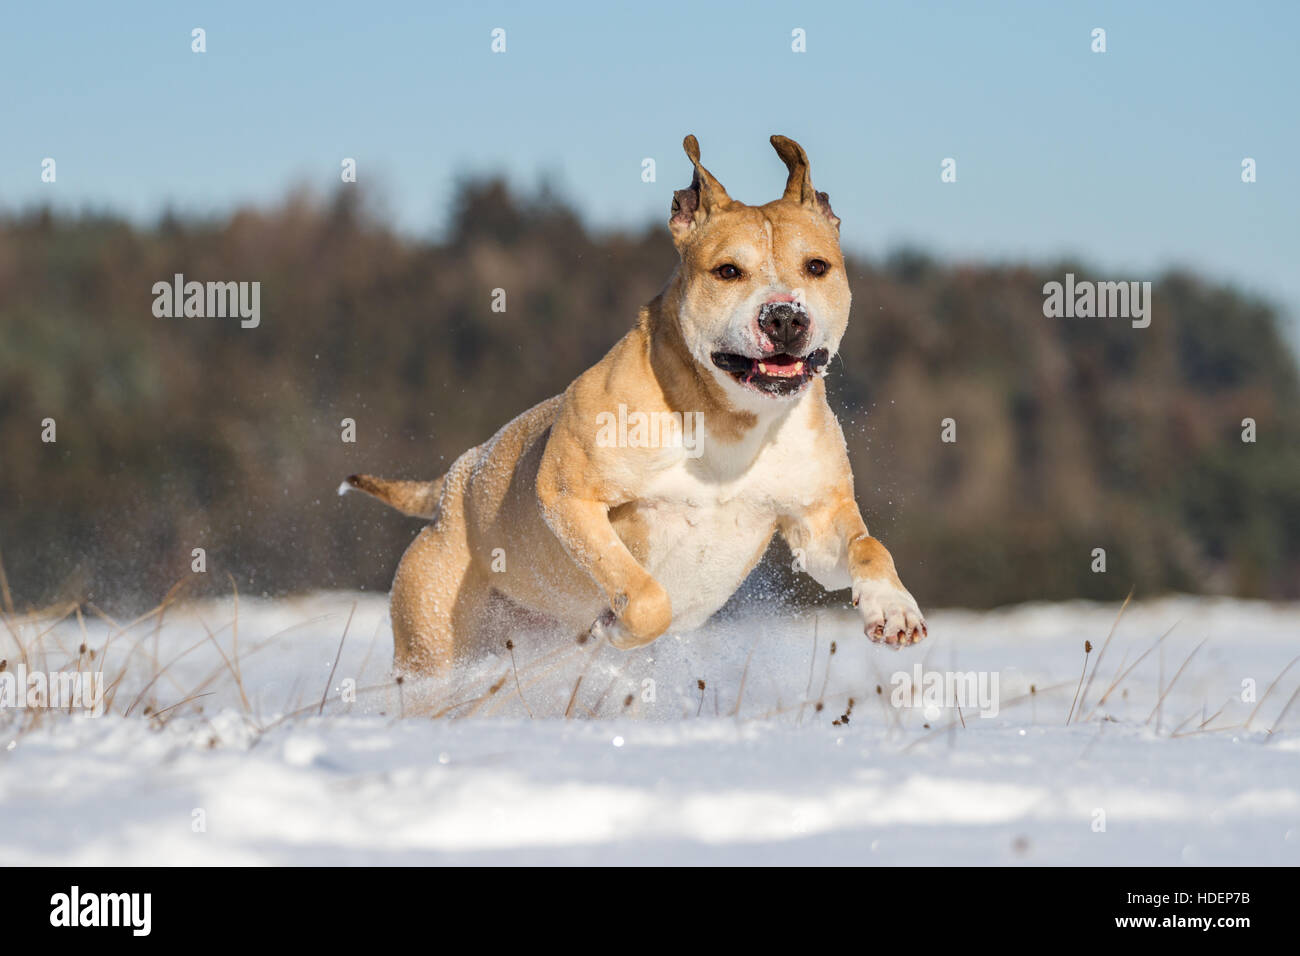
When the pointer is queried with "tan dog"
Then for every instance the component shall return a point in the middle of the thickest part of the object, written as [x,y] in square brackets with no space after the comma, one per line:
[643,496]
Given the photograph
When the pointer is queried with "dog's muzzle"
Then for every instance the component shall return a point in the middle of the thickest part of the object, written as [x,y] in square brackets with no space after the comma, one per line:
[788,366]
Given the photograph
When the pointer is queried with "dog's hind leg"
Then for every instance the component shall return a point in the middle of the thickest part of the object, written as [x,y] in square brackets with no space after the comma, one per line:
[438,603]
[440,597]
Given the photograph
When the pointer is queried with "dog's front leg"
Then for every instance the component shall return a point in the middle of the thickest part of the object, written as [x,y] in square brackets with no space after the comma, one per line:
[640,609]
[830,542]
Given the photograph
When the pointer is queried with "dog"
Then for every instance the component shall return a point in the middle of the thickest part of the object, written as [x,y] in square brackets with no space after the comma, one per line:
[625,532]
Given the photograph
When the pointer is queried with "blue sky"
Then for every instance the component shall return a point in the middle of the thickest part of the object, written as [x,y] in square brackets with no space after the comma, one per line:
[1129,159]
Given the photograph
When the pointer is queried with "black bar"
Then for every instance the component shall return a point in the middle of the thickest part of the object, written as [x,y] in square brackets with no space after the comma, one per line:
[922,906]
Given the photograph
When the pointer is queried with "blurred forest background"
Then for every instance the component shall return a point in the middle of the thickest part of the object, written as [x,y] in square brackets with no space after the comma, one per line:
[1073,434]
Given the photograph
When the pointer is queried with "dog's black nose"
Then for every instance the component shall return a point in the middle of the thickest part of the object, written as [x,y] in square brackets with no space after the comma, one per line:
[785,323]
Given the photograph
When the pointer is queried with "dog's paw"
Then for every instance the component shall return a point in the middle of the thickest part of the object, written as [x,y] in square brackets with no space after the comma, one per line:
[608,627]
[889,614]
[619,635]
[637,617]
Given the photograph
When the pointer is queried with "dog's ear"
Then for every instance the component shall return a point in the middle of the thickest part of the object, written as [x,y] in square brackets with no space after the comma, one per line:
[691,206]
[798,186]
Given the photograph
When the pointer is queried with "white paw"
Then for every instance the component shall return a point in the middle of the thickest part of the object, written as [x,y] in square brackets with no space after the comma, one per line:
[889,614]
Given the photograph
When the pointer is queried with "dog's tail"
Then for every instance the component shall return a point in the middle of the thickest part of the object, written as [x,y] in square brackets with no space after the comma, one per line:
[416,498]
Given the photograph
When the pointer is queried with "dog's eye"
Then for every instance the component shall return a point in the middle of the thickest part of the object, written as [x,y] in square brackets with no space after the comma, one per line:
[727,271]
[817,267]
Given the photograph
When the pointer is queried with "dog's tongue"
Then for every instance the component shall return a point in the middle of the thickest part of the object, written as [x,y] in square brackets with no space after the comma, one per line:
[783,366]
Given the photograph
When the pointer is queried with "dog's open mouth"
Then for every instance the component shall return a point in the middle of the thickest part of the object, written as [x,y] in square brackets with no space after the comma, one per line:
[779,374]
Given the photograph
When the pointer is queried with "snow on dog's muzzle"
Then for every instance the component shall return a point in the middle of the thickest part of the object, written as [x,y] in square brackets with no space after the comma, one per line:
[786,325]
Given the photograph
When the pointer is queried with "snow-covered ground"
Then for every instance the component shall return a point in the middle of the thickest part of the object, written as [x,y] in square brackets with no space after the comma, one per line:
[759,766]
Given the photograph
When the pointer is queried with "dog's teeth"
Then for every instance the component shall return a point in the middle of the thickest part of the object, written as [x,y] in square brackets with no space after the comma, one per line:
[762,368]
[798,368]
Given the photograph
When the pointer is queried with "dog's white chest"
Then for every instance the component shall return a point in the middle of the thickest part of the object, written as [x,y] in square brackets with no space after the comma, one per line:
[699,532]
[700,548]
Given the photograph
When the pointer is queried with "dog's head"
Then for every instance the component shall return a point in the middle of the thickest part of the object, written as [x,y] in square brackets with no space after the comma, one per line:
[763,298]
